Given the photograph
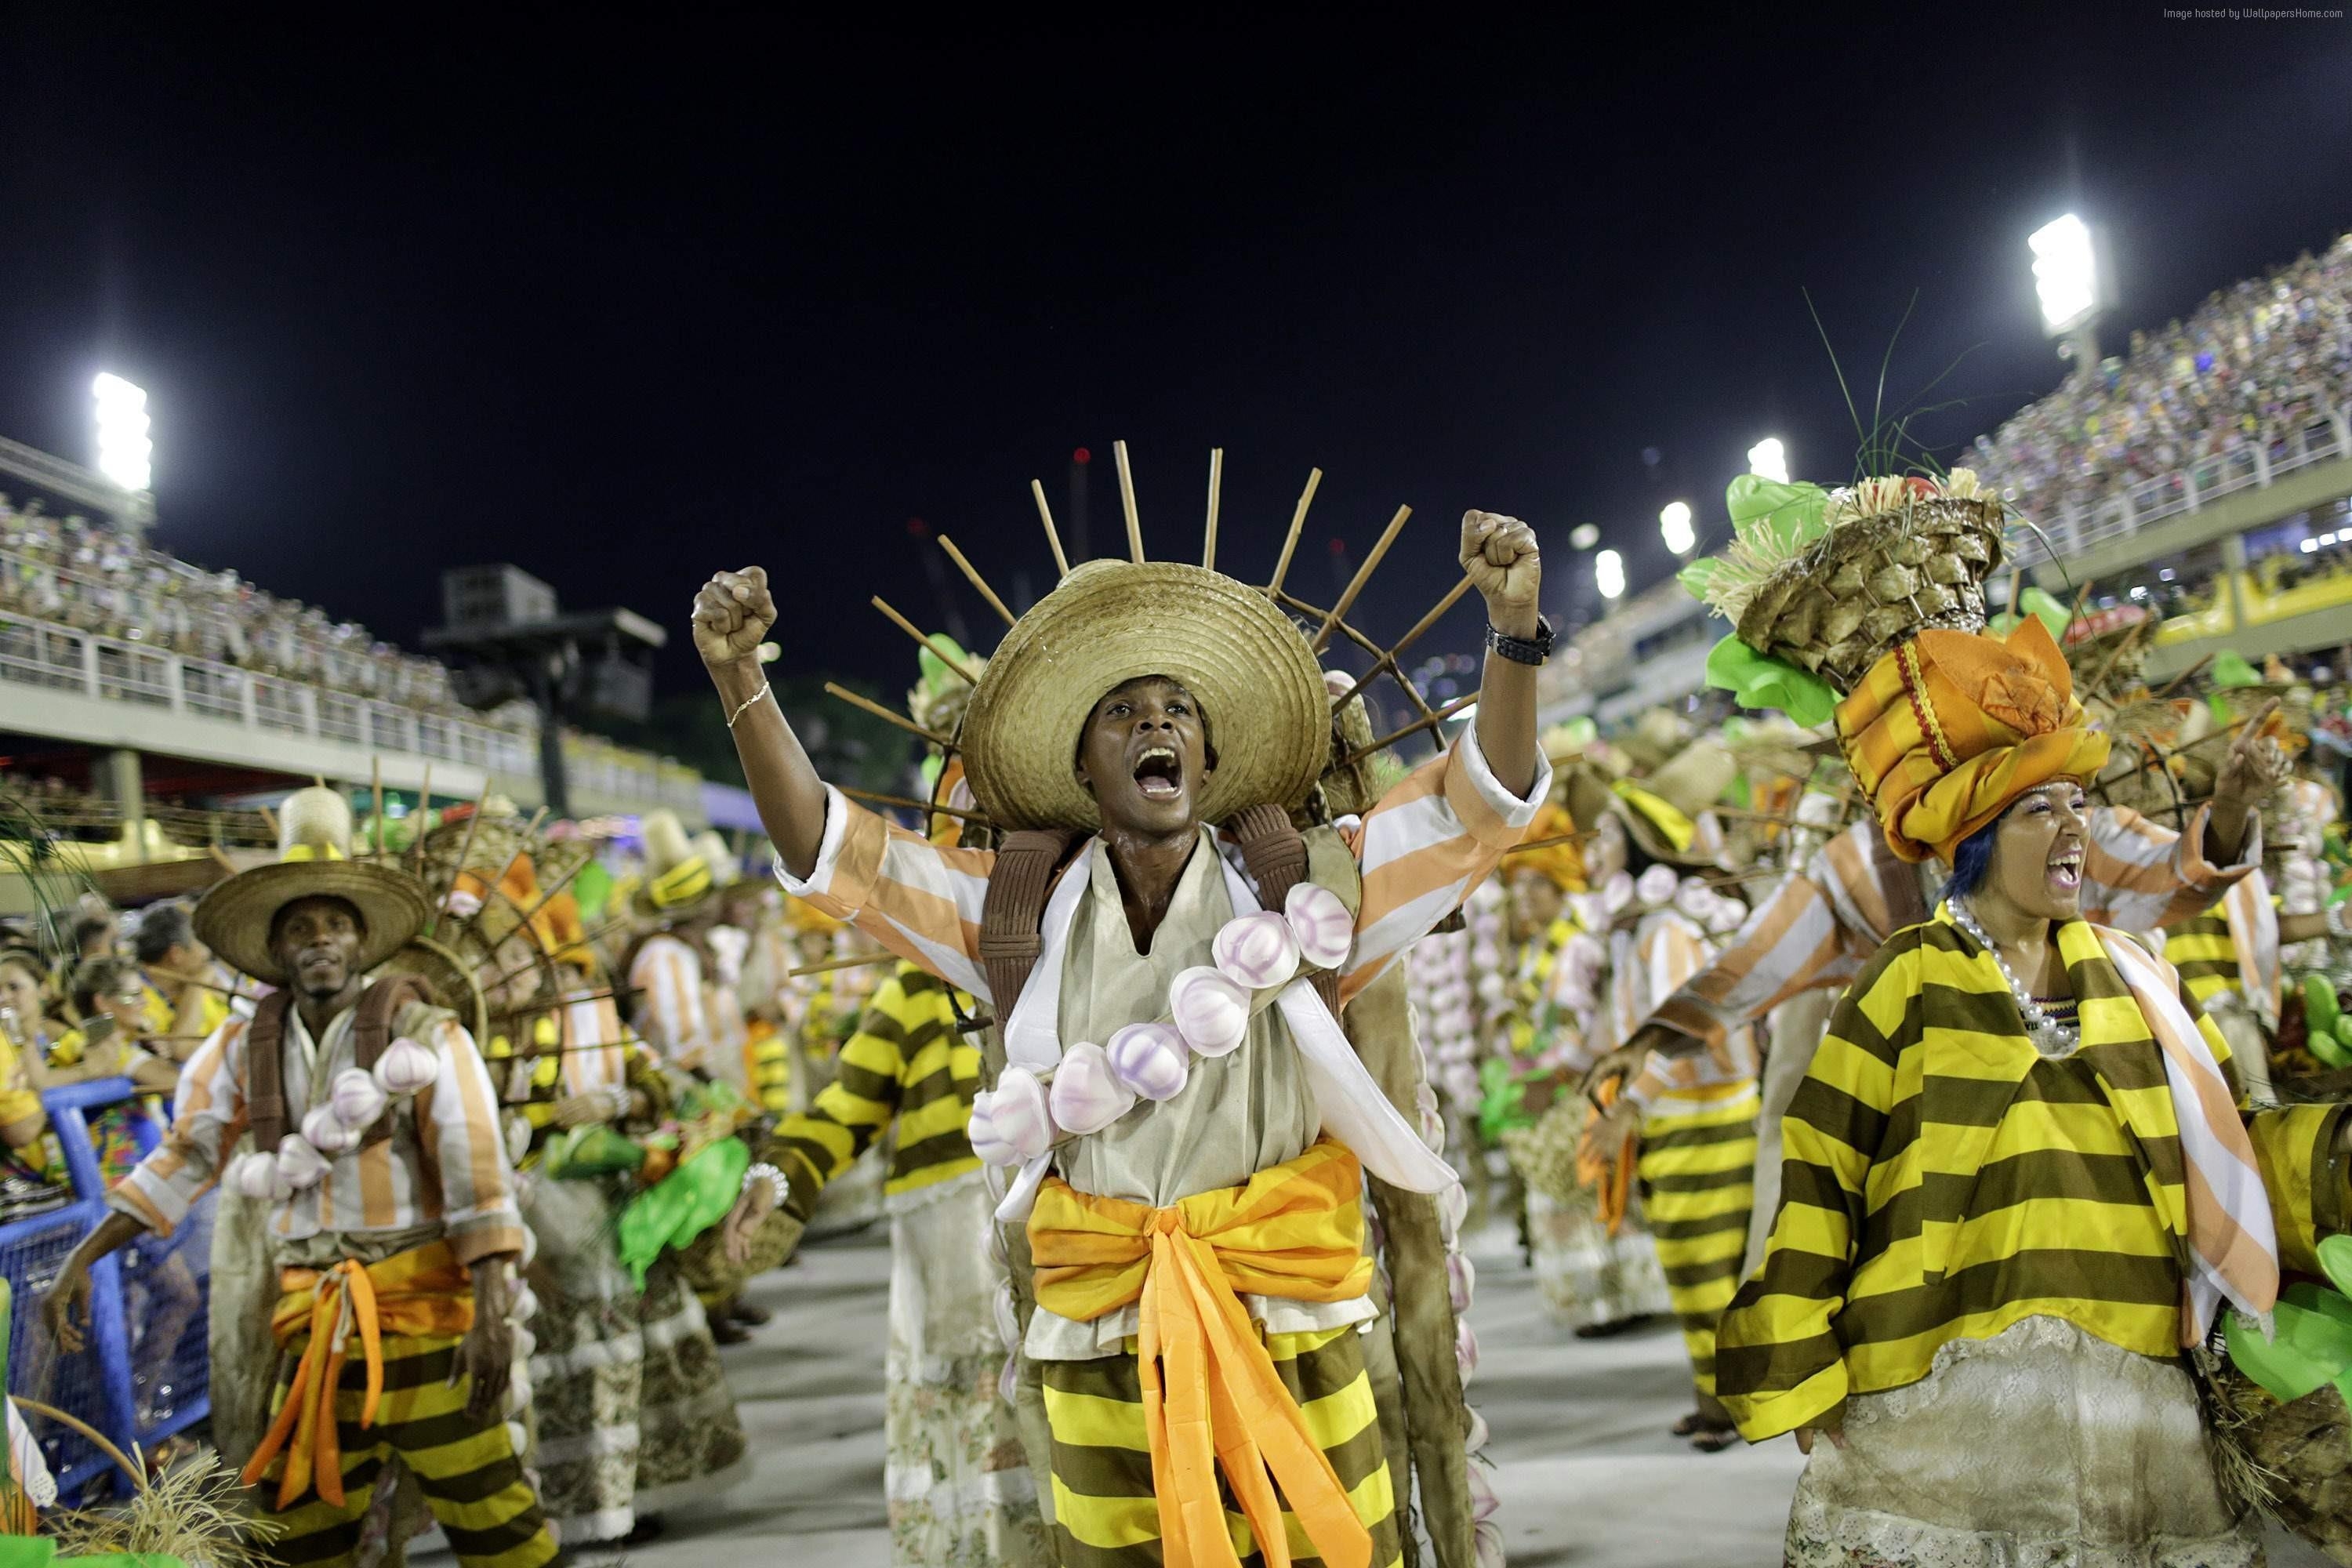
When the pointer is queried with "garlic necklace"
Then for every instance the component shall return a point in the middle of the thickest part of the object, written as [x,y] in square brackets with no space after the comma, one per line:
[2052,1039]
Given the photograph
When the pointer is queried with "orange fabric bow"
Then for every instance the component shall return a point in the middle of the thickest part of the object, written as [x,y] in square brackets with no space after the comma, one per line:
[1949,727]
[422,1291]
[1210,1394]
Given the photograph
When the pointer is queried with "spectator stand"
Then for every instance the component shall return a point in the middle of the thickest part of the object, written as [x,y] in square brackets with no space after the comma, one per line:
[97,1385]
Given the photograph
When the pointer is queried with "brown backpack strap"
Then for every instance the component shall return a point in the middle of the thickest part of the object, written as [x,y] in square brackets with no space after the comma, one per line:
[1015,907]
[1276,853]
[380,1007]
[265,1070]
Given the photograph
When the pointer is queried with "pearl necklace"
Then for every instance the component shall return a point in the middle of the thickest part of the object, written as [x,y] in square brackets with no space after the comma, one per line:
[2053,1041]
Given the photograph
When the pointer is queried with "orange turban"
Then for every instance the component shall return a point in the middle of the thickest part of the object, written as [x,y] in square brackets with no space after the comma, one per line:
[1950,728]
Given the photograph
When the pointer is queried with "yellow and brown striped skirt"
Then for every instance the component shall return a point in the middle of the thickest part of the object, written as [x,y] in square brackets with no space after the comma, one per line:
[1699,1182]
[1105,1514]
[467,1469]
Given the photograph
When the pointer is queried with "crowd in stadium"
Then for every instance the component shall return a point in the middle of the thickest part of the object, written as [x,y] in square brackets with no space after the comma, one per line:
[83,575]
[2256,362]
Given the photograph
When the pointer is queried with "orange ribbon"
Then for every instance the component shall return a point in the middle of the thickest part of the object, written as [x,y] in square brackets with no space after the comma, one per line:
[422,1291]
[1211,1394]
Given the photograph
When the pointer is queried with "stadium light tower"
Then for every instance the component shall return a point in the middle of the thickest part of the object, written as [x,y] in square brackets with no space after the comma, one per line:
[2066,278]
[1768,458]
[1608,576]
[125,454]
[1674,527]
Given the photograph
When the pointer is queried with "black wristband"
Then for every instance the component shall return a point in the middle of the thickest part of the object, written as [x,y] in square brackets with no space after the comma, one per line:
[1522,650]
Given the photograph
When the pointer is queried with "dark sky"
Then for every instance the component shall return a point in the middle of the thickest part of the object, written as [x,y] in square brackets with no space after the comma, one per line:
[627,302]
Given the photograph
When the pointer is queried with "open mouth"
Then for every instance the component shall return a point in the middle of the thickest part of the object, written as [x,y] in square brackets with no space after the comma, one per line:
[1159,774]
[2066,870]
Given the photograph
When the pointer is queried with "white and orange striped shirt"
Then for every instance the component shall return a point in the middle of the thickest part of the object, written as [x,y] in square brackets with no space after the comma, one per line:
[673,1015]
[1430,839]
[1653,962]
[445,1162]
[1821,925]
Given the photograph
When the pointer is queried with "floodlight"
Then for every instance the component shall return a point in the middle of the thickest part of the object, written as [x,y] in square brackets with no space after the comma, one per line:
[1609,575]
[124,452]
[1674,527]
[2065,274]
[1584,537]
[1768,458]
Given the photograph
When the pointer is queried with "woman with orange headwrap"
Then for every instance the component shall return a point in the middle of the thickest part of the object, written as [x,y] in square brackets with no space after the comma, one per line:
[2018,1178]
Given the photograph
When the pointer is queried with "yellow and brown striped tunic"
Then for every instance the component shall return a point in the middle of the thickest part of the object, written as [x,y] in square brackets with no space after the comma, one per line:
[907,1064]
[1943,1181]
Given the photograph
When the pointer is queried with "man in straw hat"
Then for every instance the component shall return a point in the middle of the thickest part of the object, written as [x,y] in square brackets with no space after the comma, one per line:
[1186,1226]
[391,1217]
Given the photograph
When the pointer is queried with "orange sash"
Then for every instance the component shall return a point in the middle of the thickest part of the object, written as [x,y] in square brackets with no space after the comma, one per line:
[423,1292]
[1210,1394]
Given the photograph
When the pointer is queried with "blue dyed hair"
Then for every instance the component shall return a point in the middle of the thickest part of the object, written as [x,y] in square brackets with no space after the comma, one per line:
[1971,860]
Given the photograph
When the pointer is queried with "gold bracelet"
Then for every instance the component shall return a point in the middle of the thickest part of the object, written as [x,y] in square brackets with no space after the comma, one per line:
[765,690]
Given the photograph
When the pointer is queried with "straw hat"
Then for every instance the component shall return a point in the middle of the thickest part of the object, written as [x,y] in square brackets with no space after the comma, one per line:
[678,884]
[314,848]
[1112,621]
[452,979]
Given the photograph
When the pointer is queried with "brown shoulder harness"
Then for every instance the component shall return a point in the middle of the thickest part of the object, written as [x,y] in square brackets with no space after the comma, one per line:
[265,1059]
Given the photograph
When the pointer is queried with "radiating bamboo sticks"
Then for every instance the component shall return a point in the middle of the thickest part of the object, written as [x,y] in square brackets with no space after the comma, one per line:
[1046,516]
[1290,540]
[971,575]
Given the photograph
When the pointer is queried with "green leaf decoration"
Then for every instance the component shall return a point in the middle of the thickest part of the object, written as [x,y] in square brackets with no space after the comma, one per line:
[1697,577]
[1791,515]
[2313,1347]
[2231,670]
[936,677]
[1758,680]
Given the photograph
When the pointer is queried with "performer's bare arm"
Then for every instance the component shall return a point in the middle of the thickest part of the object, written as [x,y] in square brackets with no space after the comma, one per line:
[1500,554]
[732,617]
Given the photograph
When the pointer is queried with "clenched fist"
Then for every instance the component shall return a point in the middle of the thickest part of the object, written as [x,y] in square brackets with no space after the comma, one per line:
[731,616]
[1505,565]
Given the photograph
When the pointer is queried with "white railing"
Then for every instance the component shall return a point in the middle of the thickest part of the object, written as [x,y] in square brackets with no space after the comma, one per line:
[2074,528]
[208,628]
[62,659]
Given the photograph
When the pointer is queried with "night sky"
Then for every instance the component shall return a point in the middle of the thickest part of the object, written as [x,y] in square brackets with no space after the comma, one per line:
[625,303]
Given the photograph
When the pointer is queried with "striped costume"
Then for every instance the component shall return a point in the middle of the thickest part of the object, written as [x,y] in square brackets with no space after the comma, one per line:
[953,1470]
[1821,924]
[1698,1134]
[1249,1113]
[1955,1203]
[412,1212]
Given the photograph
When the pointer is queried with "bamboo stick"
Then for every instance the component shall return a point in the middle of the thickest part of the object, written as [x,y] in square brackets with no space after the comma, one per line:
[1046,516]
[465,848]
[1363,576]
[2174,684]
[911,803]
[424,802]
[924,639]
[1388,660]
[1127,502]
[862,961]
[1415,728]
[1298,522]
[888,717]
[1216,483]
[1412,693]
[560,883]
[972,575]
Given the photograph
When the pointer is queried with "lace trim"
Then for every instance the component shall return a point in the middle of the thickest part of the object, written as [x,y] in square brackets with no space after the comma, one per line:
[2038,1332]
[1823,1537]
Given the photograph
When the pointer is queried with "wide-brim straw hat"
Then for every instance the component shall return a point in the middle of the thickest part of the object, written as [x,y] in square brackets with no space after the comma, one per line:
[234,918]
[1690,783]
[1109,622]
[678,884]
[314,848]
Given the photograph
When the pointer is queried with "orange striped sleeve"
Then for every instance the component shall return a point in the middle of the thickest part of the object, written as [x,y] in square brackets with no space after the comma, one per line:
[918,900]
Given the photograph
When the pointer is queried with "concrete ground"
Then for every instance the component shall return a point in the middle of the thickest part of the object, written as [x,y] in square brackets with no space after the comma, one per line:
[1587,1474]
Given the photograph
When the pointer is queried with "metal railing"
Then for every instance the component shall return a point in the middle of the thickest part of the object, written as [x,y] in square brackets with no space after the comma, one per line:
[2073,527]
[62,659]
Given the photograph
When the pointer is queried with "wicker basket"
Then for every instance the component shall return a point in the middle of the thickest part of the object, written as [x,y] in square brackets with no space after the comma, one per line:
[2296,1457]
[1872,582]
